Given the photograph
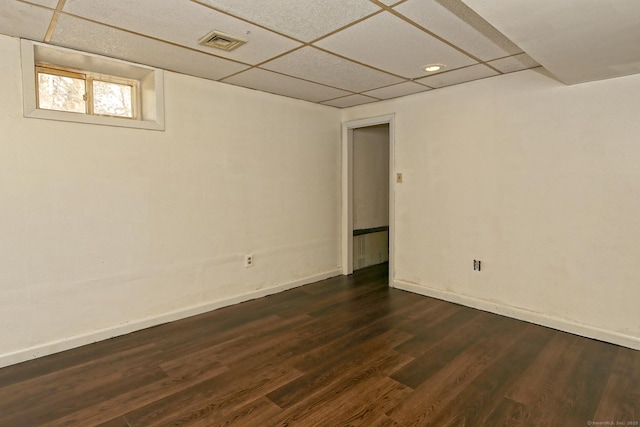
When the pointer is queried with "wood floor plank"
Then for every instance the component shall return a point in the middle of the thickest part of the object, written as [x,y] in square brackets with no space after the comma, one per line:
[346,362]
[432,334]
[345,351]
[475,404]
[71,379]
[385,421]
[541,389]
[226,392]
[509,413]
[435,393]
[72,389]
[180,379]
[621,397]
[590,374]
[197,337]
[367,403]
[348,306]
[422,320]
[116,422]
[566,382]
[317,407]
[463,332]
[351,335]
[254,413]
[255,342]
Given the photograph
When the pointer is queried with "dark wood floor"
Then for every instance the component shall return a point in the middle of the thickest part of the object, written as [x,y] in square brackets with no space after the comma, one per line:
[343,352]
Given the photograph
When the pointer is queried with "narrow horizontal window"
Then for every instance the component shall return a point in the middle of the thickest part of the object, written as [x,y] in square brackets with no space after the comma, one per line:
[72,86]
[84,92]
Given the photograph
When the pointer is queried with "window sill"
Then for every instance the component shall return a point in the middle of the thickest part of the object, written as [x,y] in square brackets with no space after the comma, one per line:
[95,120]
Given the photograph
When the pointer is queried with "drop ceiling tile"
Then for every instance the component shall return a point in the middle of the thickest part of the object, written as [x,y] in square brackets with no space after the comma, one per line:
[458,24]
[402,89]
[46,3]
[514,63]
[461,75]
[184,23]
[268,81]
[24,20]
[298,18]
[315,65]
[388,43]
[87,36]
[349,101]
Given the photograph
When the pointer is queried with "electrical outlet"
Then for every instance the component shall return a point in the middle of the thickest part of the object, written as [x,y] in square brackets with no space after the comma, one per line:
[248,260]
[477,265]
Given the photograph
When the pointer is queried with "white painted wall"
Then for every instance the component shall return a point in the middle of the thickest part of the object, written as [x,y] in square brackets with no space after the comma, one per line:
[538,180]
[105,230]
[371,177]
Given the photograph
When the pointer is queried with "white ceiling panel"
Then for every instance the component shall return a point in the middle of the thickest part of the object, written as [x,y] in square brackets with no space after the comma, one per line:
[268,81]
[72,32]
[395,91]
[349,101]
[388,43]
[315,65]
[455,77]
[576,40]
[47,3]
[298,18]
[184,23]
[24,20]
[514,63]
[457,23]
[347,52]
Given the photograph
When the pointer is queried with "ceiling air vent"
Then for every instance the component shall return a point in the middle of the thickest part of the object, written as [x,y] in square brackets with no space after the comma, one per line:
[221,40]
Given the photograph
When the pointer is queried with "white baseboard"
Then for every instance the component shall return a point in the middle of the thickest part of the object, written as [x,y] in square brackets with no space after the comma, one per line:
[125,328]
[561,324]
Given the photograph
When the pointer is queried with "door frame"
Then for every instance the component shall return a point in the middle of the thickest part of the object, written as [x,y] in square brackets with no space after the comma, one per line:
[347,190]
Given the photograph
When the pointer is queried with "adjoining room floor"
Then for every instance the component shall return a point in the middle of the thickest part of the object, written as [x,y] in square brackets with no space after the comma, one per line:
[342,352]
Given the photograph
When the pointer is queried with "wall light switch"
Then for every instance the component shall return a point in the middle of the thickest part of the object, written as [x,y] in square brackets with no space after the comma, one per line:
[399,177]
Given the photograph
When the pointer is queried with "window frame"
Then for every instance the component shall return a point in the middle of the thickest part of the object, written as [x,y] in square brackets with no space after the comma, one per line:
[147,94]
[135,89]
[43,69]
[88,78]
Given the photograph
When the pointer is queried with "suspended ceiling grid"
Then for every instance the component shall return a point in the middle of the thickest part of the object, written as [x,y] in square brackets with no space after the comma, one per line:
[334,52]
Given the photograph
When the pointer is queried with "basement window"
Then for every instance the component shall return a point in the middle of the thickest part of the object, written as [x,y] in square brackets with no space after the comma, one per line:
[62,84]
[83,92]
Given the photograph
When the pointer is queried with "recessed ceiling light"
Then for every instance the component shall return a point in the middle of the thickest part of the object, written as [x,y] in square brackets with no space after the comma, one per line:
[432,68]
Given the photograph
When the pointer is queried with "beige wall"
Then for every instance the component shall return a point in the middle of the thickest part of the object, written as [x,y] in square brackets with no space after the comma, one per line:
[538,180]
[371,177]
[106,230]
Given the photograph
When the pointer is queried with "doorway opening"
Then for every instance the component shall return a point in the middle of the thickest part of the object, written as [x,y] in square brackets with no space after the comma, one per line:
[368,194]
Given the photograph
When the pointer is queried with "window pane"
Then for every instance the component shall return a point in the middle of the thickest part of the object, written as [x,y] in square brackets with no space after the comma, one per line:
[112,99]
[61,93]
